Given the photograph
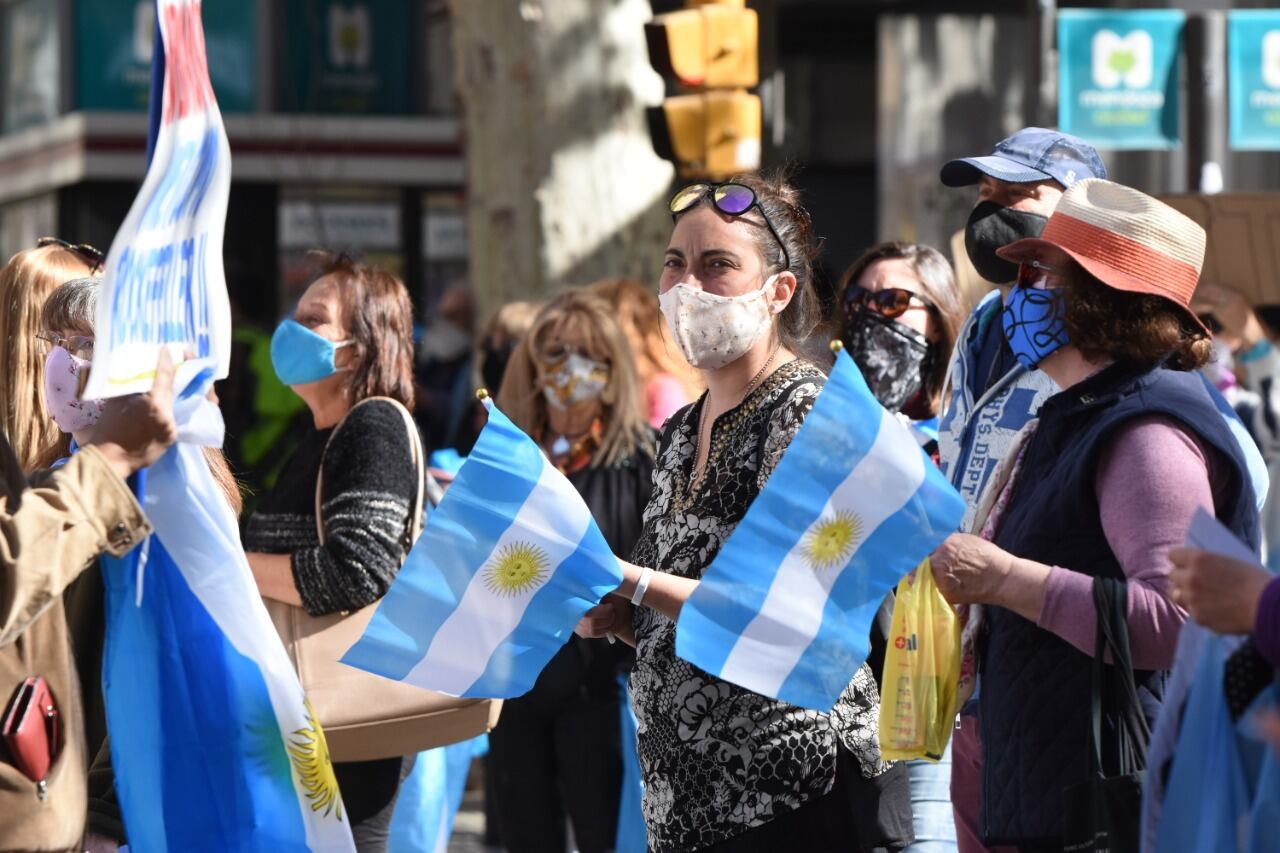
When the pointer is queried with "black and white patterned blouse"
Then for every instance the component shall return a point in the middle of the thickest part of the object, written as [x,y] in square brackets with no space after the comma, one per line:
[718,759]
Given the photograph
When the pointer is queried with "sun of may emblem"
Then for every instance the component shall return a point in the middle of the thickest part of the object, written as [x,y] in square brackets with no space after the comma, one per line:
[830,541]
[516,569]
[310,754]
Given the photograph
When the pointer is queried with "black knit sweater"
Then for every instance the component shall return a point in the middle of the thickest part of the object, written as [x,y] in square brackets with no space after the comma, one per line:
[369,489]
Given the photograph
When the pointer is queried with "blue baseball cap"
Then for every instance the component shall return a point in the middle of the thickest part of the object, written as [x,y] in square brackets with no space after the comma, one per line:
[1031,154]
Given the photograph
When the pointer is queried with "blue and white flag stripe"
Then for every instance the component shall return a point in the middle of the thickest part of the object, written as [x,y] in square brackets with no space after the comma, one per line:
[785,608]
[509,562]
[791,616]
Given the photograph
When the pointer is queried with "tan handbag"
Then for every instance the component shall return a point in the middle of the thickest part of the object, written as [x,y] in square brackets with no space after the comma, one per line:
[365,716]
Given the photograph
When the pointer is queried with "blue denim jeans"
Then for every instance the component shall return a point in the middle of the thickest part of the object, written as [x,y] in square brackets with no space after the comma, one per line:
[931,806]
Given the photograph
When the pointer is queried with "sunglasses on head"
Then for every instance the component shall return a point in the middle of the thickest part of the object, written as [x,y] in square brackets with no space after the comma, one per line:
[890,302]
[729,199]
[1030,273]
[93,256]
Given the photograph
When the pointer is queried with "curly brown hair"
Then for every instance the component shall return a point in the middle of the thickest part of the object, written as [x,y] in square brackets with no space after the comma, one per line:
[380,321]
[1103,322]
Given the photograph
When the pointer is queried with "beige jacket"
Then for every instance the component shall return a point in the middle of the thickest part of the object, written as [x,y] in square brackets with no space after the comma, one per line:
[48,534]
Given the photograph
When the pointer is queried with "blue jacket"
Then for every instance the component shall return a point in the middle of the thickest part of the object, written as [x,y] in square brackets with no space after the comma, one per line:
[1036,687]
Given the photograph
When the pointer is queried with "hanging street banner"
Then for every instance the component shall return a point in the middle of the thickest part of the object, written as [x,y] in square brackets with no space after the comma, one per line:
[164,283]
[1253,75]
[1118,76]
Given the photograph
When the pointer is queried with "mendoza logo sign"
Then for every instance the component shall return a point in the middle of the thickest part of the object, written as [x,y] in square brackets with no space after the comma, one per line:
[1253,59]
[1118,85]
[164,284]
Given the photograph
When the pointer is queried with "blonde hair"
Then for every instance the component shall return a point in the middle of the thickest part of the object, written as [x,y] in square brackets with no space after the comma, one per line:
[636,308]
[25,283]
[512,321]
[579,317]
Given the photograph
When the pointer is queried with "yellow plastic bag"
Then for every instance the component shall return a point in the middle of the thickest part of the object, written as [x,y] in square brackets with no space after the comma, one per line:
[918,700]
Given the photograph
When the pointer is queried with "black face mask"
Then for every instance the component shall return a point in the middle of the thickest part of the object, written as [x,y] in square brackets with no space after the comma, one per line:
[992,227]
[893,358]
[494,364]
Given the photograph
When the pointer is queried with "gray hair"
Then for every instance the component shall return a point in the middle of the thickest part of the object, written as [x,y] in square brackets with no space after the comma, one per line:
[72,305]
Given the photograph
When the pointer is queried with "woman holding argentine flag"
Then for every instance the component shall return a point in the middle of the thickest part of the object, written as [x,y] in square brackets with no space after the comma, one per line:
[726,769]
[347,352]
[1089,501]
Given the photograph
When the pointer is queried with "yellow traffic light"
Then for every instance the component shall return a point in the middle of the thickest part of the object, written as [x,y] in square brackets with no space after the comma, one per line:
[711,48]
[709,135]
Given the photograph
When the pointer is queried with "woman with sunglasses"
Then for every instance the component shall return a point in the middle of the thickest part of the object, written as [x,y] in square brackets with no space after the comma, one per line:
[557,751]
[726,769]
[900,313]
[1098,487]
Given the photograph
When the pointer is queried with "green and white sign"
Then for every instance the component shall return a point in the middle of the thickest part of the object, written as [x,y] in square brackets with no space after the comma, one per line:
[347,56]
[1253,62]
[113,53]
[1118,76]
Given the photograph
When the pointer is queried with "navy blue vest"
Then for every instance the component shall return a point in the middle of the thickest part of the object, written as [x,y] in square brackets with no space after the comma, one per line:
[1035,687]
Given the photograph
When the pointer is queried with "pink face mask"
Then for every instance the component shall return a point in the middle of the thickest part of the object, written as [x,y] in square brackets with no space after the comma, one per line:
[62,392]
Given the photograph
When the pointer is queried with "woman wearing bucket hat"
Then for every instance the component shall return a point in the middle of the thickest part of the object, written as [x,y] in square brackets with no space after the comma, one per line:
[1101,484]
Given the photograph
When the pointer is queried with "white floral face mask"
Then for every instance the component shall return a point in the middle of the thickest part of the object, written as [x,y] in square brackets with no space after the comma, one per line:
[712,330]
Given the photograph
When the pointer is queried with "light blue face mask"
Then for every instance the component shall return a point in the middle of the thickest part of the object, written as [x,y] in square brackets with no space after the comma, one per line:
[301,356]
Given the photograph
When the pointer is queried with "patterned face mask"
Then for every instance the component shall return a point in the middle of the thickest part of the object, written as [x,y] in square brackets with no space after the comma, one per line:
[713,330]
[62,374]
[893,358]
[574,379]
[1034,322]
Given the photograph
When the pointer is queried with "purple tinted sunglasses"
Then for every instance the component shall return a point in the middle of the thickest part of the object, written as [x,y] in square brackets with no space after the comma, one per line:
[729,199]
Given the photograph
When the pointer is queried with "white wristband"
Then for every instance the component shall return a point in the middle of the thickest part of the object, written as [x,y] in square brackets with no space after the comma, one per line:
[642,586]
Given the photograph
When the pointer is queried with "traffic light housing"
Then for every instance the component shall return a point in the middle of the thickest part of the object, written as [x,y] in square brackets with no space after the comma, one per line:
[709,52]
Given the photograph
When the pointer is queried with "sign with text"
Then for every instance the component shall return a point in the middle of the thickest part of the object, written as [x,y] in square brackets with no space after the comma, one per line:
[164,284]
[1253,62]
[1118,76]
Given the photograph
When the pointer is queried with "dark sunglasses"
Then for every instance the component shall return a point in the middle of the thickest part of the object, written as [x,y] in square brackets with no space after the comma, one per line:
[92,255]
[891,302]
[729,199]
[1030,273]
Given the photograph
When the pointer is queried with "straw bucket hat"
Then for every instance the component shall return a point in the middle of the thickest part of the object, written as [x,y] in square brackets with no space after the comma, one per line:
[1124,238]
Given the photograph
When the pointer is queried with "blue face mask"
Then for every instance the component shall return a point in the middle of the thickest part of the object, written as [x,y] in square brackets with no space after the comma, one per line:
[1034,323]
[300,356]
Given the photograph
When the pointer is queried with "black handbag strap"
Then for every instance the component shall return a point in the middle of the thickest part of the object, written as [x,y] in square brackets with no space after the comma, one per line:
[1114,685]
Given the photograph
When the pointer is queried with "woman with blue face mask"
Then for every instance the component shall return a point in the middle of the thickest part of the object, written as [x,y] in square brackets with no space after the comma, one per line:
[349,340]
[1094,491]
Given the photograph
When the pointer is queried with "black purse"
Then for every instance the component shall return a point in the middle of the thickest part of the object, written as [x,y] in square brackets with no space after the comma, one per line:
[1103,814]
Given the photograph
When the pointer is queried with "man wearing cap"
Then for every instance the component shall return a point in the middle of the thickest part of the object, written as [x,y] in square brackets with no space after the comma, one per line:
[1091,497]
[992,396]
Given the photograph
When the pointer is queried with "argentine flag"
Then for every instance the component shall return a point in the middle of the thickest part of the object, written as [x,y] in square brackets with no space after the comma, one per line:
[508,563]
[785,609]
[213,744]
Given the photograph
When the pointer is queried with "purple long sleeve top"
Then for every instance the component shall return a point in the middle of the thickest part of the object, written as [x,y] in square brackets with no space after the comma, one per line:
[1151,478]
